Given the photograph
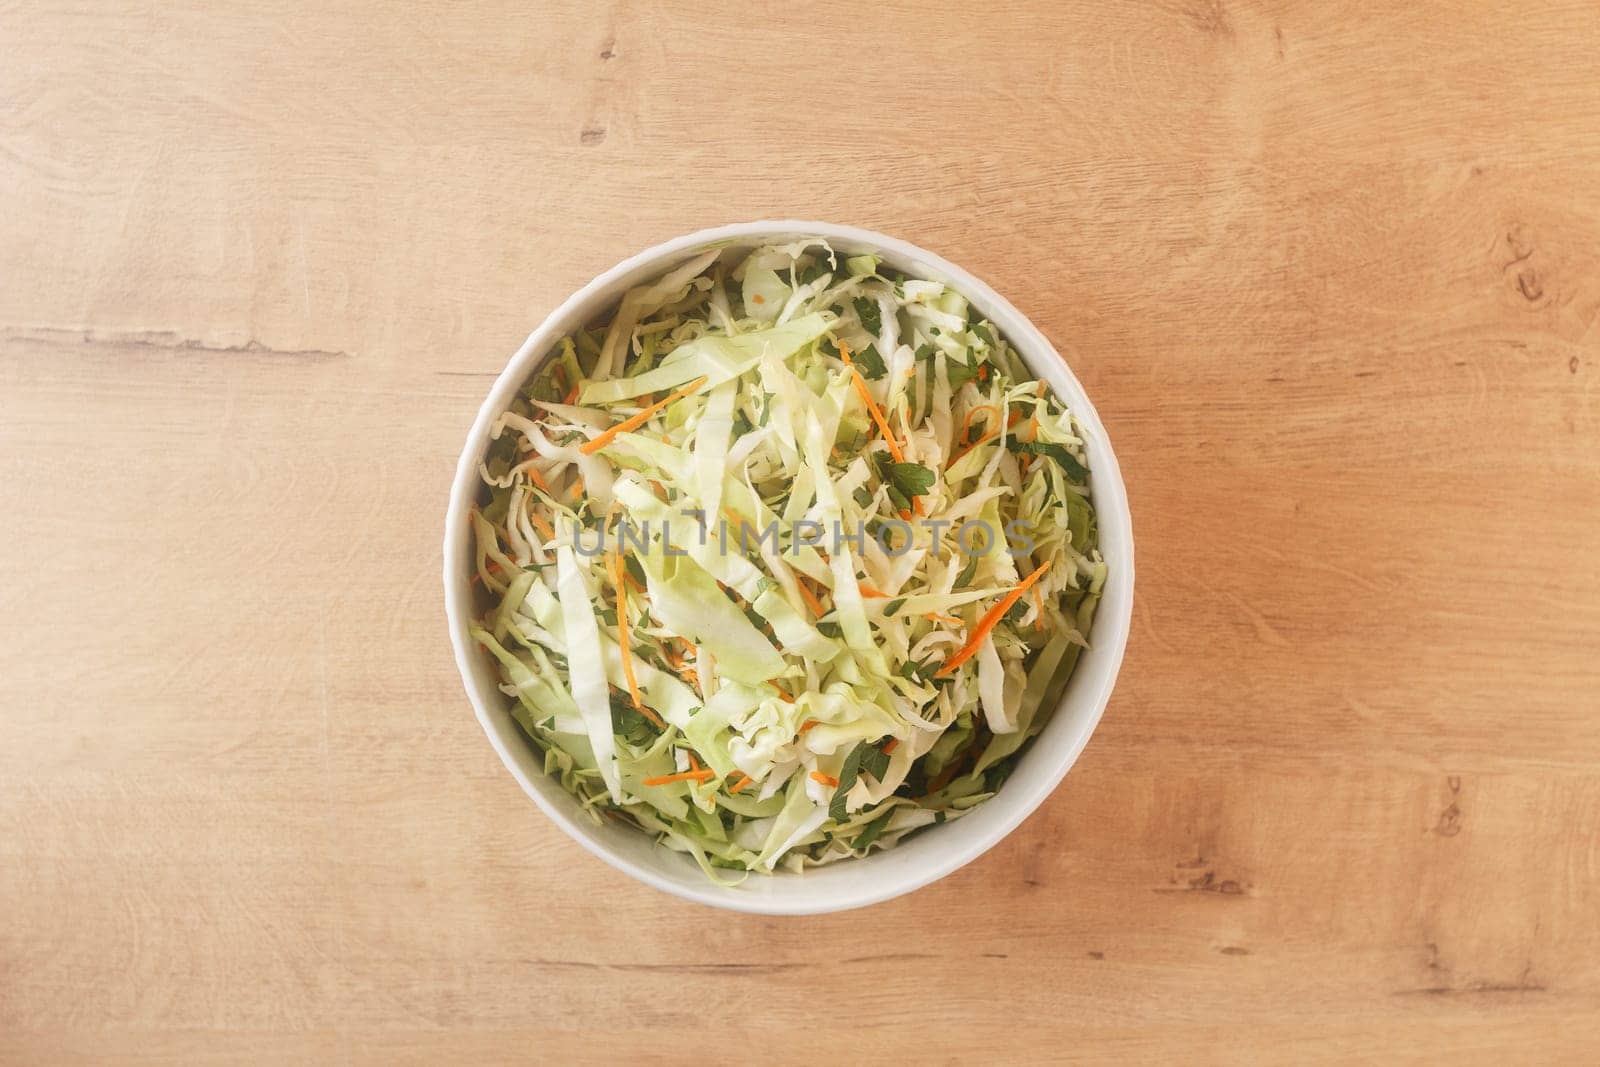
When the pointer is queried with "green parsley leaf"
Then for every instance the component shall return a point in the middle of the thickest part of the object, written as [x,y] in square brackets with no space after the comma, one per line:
[961,373]
[905,480]
[1064,459]
[870,363]
[869,313]
[848,774]
[873,830]
[815,269]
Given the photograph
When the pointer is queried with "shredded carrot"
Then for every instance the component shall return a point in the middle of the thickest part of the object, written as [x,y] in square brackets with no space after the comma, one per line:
[744,780]
[966,423]
[694,762]
[682,776]
[543,526]
[939,616]
[491,565]
[810,598]
[577,488]
[809,724]
[538,479]
[626,643]
[825,779]
[989,621]
[988,435]
[872,405]
[782,694]
[877,416]
[633,422]
[948,773]
[739,524]
[572,395]
[867,590]
[889,746]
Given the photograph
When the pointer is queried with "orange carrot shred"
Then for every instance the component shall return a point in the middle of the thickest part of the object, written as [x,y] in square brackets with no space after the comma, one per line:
[987,436]
[682,776]
[966,423]
[872,406]
[868,590]
[892,744]
[990,619]
[572,395]
[490,565]
[626,642]
[744,780]
[809,724]
[825,779]
[782,694]
[877,416]
[543,526]
[810,598]
[633,422]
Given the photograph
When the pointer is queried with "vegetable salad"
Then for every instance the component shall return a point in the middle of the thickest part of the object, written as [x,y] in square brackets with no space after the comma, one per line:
[787,559]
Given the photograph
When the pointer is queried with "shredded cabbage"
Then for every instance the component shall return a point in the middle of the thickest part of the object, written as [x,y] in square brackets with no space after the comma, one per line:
[788,559]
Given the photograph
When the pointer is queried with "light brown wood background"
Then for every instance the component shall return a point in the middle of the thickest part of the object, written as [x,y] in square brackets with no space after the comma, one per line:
[1331,272]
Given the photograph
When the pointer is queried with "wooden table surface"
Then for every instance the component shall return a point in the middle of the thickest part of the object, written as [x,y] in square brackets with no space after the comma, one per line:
[1331,272]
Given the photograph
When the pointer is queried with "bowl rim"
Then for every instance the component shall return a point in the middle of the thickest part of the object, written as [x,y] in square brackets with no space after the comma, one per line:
[1112,621]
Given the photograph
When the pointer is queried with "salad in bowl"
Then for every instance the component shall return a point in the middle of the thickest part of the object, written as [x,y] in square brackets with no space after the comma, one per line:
[784,558]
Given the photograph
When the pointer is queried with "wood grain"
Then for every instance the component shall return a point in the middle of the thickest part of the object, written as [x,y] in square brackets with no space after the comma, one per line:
[1331,272]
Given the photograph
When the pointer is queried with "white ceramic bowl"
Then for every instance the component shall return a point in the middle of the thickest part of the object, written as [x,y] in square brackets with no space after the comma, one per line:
[926,856]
